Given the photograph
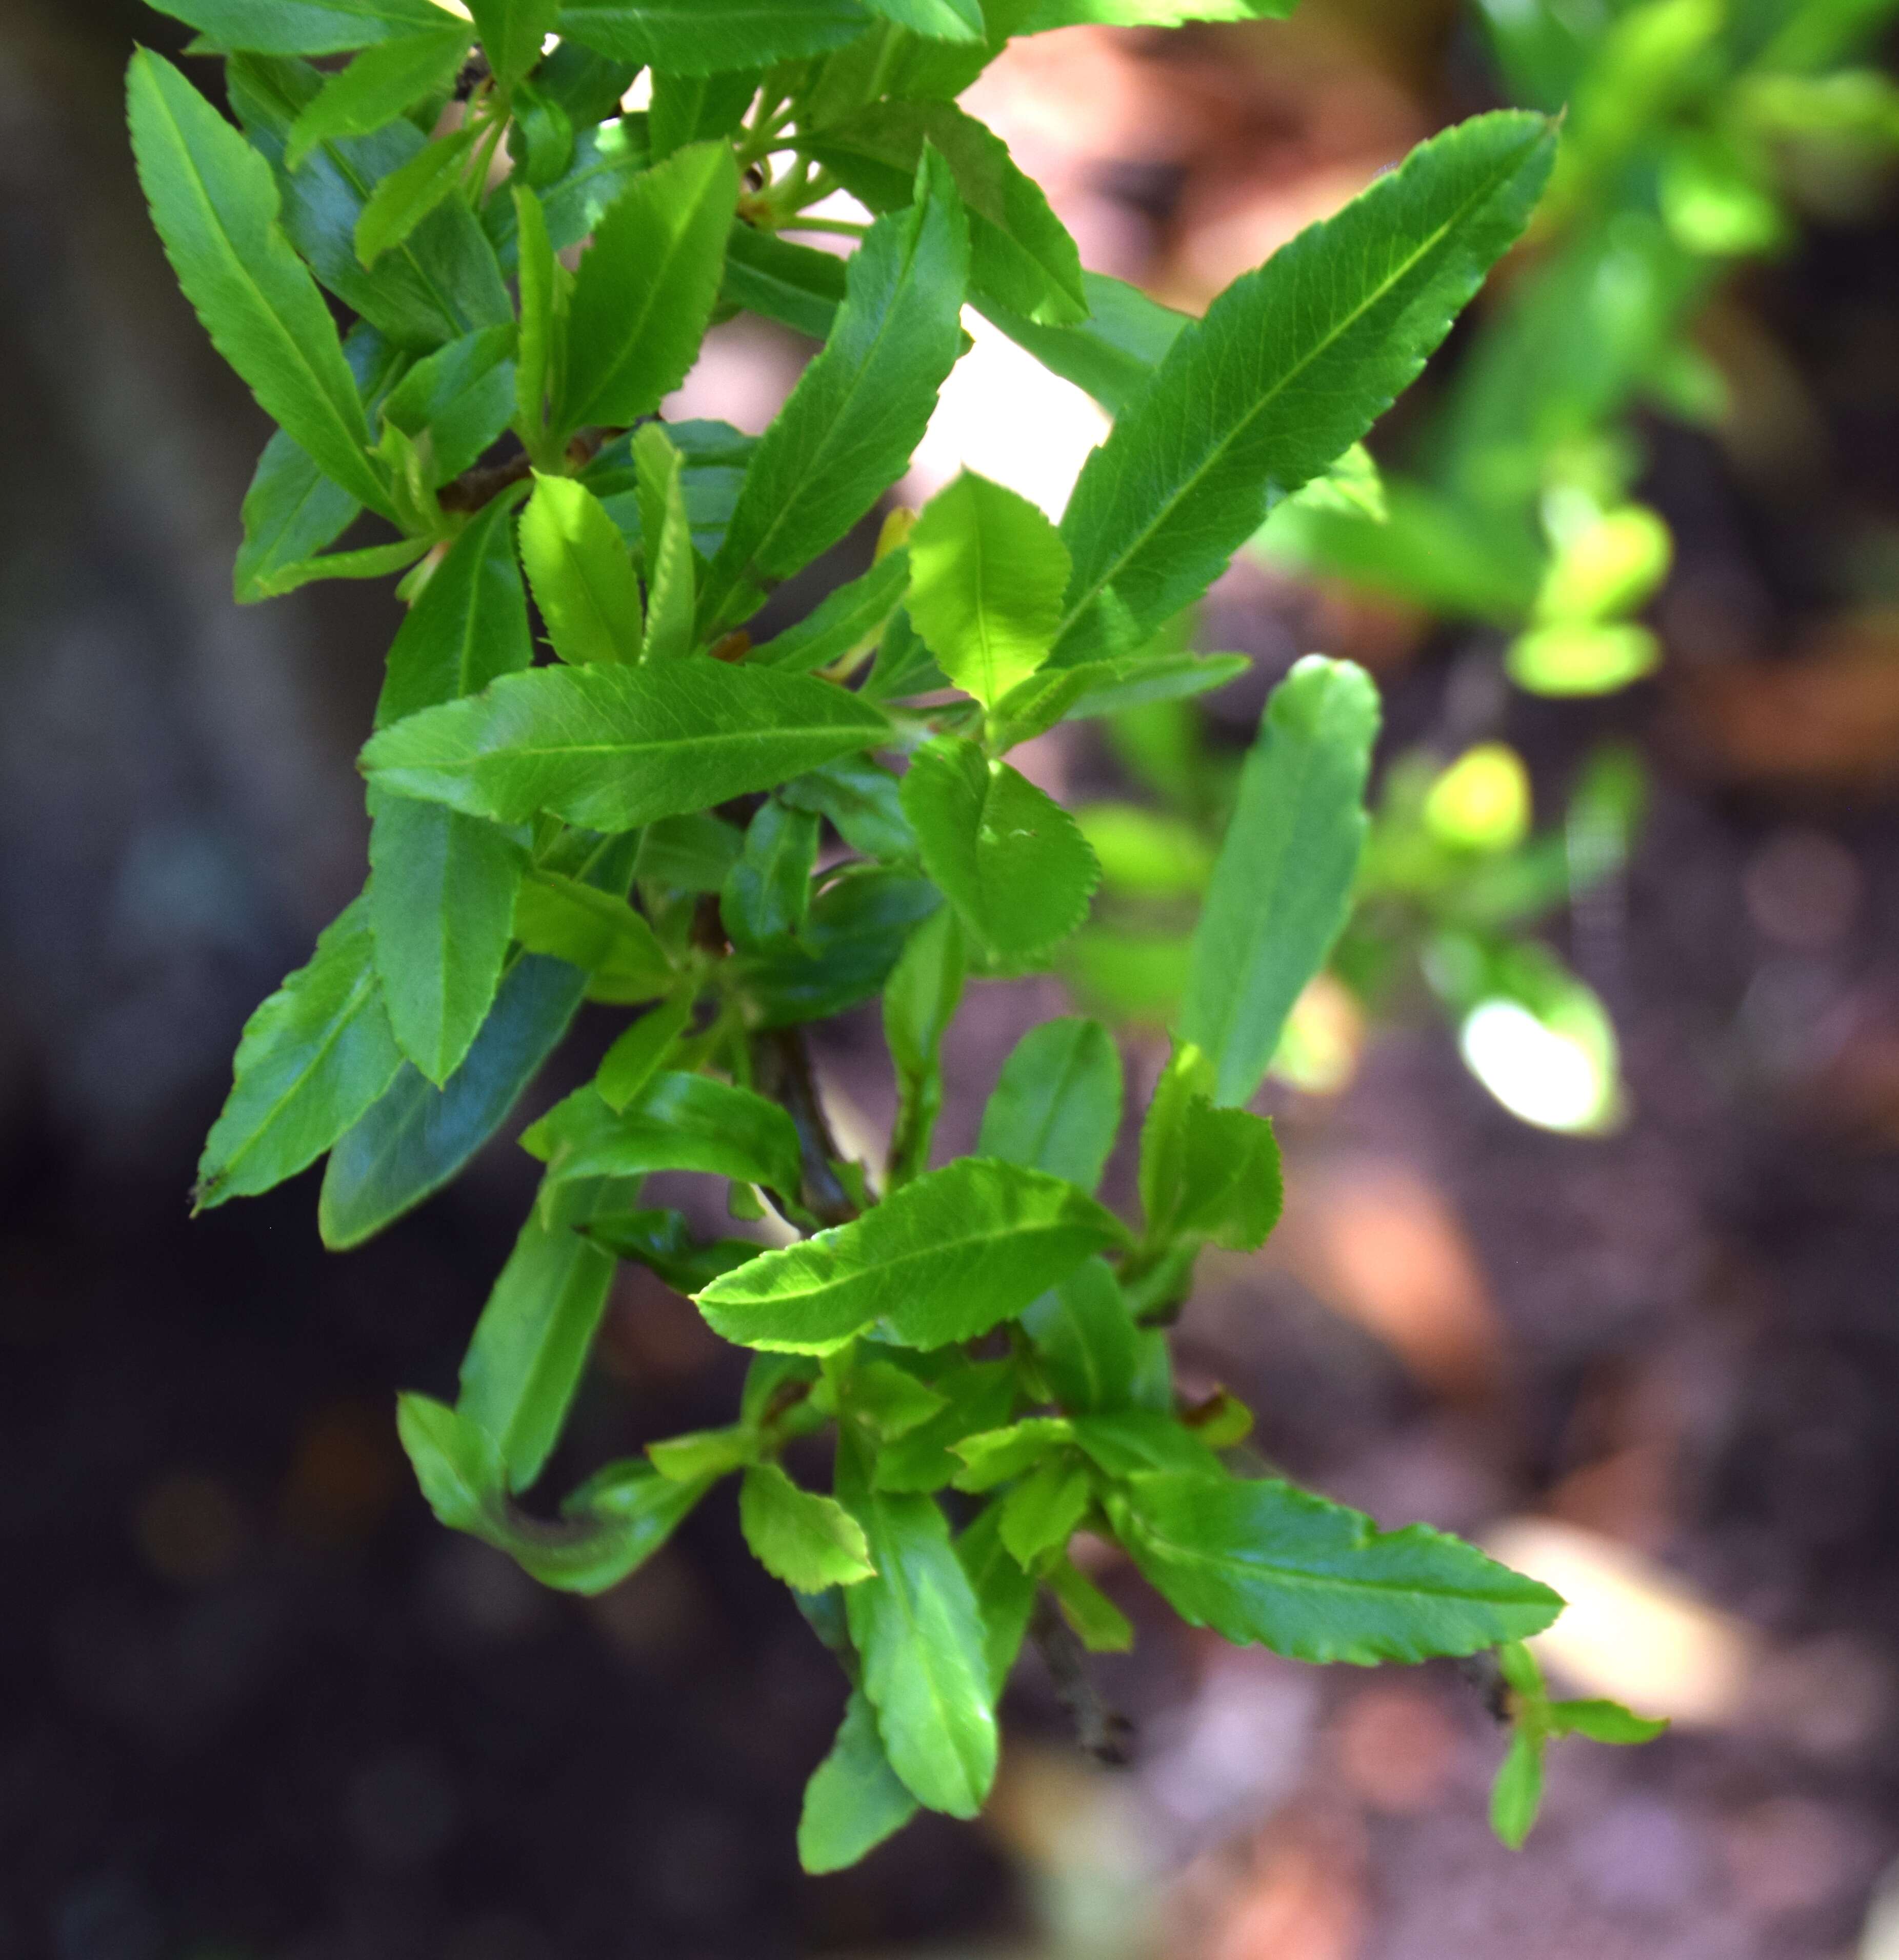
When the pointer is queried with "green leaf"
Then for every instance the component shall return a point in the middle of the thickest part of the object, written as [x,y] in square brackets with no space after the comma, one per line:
[859,408]
[1056,1106]
[1021,257]
[936,20]
[639,1051]
[856,931]
[531,1343]
[1042,1513]
[854,1799]
[715,455]
[920,1001]
[687,853]
[848,620]
[1008,857]
[1517,1794]
[666,531]
[864,801]
[314,1056]
[304,26]
[663,1242]
[887,1400]
[981,1394]
[292,510]
[375,562]
[809,1542]
[512,32]
[1128,1442]
[1282,884]
[1293,364]
[215,206]
[377,86]
[1086,1340]
[412,1141]
[645,289]
[687,107]
[918,1626]
[1210,1172]
[768,892]
[1112,355]
[1604,1722]
[545,287]
[704,1452]
[797,285]
[1265,1562]
[1005,1593]
[455,403]
[680,1122]
[583,579]
[1047,13]
[705,37]
[1102,1627]
[595,932]
[987,573]
[441,905]
[997,1456]
[402,199]
[468,625]
[612,747]
[943,1259]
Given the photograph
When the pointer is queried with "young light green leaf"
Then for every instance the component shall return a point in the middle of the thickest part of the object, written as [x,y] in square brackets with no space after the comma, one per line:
[1086,1340]
[373,562]
[1047,13]
[918,1626]
[982,1396]
[377,86]
[1517,1794]
[847,433]
[1100,1625]
[768,892]
[848,620]
[854,1799]
[988,571]
[612,747]
[530,1345]
[595,932]
[410,1143]
[1263,1561]
[991,1457]
[401,200]
[304,26]
[645,289]
[1604,1721]
[582,577]
[936,20]
[512,32]
[1042,1513]
[1293,364]
[864,801]
[1096,688]
[1283,881]
[314,1056]
[468,625]
[680,1122]
[215,206]
[441,905]
[1021,257]
[1006,856]
[943,1259]
[1114,354]
[640,1051]
[666,536]
[808,1541]
[456,401]
[887,1400]
[706,36]
[1056,1106]
[545,287]
[1210,1172]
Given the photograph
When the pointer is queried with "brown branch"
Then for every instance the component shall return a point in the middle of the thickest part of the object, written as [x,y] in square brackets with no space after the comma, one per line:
[1104,1733]
[484,483]
[781,1064]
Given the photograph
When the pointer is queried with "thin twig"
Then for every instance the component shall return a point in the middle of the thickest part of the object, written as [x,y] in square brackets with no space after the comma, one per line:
[1103,1731]
[781,1066]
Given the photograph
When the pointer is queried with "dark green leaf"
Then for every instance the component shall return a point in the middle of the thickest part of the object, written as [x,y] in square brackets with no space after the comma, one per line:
[688,108]
[854,1799]
[215,206]
[512,32]
[595,932]
[401,200]
[314,1056]
[944,1259]
[715,457]
[856,931]
[1056,1104]
[797,285]
[919,1003]
[1004,1592]
[663,1242]
[863,800]
[612,747]
[918,1626]
[467,626]
[377,86]
[847,621]
[524,1362]
[455,403]
[705,37]
[303,27]
[1282,882]
[1114,355]
[441,905]
[1006,856]
[809,1541]
[937,20]
[583,579]
[1086,1340]
[1020,256]
[1292,364]
[848,431]
[768,892]
[639,1051]
[645,289]
[1125,1442]
[1264,1561]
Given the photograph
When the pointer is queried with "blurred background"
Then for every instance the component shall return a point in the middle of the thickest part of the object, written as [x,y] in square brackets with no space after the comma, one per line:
[1594,1211]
